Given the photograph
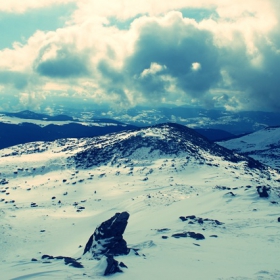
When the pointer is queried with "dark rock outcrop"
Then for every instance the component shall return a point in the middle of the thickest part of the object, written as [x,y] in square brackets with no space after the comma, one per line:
[107,239]
[197,236]
[67,260]
[192,219]
[112,266]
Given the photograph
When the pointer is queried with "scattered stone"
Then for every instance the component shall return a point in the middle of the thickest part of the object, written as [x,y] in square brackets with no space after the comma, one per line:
[230,193]
[263,191]
[163,229]
[47,257]
[164,237]
[67,260]
[196,244]
[199,220]
[179,235]
[197,236]
[213,235]
[191,217]
[72,262]
[274,202]
[53,197]
[278,219]
[34,260]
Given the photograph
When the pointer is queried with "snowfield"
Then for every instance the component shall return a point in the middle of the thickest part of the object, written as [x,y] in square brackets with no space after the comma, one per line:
[53,198]
[262,145]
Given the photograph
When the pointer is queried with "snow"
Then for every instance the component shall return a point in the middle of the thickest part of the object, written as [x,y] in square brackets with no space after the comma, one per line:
[262,145]
[156,192]
[43,123]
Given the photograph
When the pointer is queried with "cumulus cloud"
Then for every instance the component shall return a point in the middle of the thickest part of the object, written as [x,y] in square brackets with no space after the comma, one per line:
[19,6]
[230,58]
[16,79]
[65,63]
[196,66]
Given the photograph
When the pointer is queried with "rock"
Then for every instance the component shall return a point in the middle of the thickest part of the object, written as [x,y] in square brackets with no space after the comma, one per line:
[34,260]
[123,265]
[218,223]
[273,202]
[197,236]
[214,235]
[107,239]
[191,217]
[112,266]
[278,219]
[179,235]
[164,237]
[72,262]
[230,193]
[47,257]
[263,191]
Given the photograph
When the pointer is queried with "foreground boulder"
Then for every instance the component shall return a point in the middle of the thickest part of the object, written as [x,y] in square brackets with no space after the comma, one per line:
[107,239]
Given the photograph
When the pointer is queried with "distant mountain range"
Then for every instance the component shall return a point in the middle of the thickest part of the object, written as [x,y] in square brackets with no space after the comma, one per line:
[36,116]
[233,122]
[27,126]
[215,125]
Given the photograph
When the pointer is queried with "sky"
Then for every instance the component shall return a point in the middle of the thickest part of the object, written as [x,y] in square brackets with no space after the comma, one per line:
[124,53]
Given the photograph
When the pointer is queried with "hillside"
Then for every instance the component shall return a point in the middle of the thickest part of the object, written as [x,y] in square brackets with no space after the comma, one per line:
[176,186]
[26,126]
[262,145]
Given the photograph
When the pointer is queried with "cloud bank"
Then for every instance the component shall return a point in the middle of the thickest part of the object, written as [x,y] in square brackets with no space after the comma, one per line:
[210,53]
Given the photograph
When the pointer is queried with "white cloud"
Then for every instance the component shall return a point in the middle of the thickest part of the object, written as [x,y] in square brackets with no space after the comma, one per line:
[196,66]
[21,6]
[154,68]
[171,54]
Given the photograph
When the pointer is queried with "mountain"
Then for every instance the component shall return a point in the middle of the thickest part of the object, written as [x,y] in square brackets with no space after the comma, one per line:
[215,134]
[27,126]
[193,206]
[263,145]
[36,116]
[154,142]
[234,122]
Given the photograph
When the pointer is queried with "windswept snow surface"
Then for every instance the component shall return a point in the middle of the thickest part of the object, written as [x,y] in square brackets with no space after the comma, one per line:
[263,145]
[70,200]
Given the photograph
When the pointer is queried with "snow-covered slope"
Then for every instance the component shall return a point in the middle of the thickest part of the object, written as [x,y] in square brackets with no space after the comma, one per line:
[54,194]
[263,145]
